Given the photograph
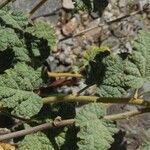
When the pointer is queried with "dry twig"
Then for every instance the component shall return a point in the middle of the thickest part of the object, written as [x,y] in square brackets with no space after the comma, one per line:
[61,123]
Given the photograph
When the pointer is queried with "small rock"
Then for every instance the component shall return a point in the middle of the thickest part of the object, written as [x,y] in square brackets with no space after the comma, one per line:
[62,57]
[95,32]
[62,68]
[67,51]
[69,61]
[128,47]
[55,50]
[70,27]
[122,3]
[77,51]
[69,42]
[68,4]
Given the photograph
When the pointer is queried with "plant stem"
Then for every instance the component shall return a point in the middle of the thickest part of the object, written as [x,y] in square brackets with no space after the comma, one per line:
[55,74]
[88,99]
[62,123]
[36,129]
[126,115]
[3,4]
[37,7]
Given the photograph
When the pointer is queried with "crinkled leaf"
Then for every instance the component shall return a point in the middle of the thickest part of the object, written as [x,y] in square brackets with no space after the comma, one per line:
[8,38]
[86,5]
[16,19]
[37,141]
[60,140]
[21,54]
[91,5]
[94,133]
[32,47]
[91,53]
[142,47]
[16,86]
[21,77]
[23,103]
[121,74]
[116,73]
[44,31]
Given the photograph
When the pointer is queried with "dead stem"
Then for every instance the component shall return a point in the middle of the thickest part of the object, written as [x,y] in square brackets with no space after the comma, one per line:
[55,74]
[61,123]
[126,115]
[88,99]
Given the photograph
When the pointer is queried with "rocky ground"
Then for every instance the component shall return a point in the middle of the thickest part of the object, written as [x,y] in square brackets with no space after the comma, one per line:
[111,28]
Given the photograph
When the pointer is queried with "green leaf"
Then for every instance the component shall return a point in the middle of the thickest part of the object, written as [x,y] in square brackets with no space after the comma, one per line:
[114,74]
[121,74]
[28,44]
[8,38]
[21,77]
[85,5]
[16,19]
[142,47]
[91,5]
[16,90]
[21,54]
[95,133]
[43,31]
[37,141]
[90,54]
[23,103]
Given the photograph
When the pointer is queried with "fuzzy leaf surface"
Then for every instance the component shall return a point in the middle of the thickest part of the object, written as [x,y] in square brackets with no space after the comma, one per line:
[114,74]
[37,141]
[8,38]
[29,43]
[91,53]
[16,19]
[94,133]
[44,31]
[16,90]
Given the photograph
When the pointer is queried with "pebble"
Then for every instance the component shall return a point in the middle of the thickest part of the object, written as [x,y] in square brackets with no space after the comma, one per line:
[68,61]
[62,68]
[67,4]
[77,51]
[128,47]
[70,27]
[62,57]
[122,3]
[94,33]
[69,42]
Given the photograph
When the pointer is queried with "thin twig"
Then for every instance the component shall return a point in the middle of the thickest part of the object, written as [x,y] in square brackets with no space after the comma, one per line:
[36,129]
[124,16]
[62,123]
[55,74]
[89,99]
[126,115]
[5,3]
[37,7]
